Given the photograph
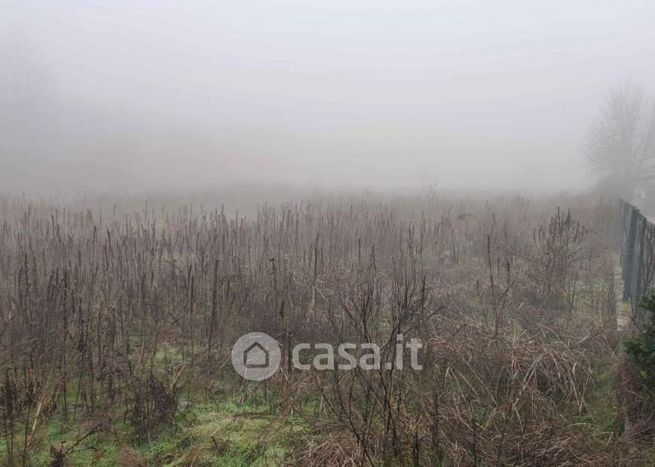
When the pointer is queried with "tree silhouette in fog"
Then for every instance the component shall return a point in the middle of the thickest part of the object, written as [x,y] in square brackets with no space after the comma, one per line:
[622,142]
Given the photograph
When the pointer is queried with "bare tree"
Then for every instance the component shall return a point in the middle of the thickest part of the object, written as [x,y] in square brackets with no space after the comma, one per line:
[28,114]
[622,142]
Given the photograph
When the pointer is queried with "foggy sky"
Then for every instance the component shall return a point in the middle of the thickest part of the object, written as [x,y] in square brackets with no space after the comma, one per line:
[385,94]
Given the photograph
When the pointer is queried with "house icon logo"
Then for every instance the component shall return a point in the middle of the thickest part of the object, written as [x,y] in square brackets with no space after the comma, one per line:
[256,356]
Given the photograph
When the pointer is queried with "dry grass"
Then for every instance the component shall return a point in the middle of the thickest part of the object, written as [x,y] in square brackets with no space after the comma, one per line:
[126,313]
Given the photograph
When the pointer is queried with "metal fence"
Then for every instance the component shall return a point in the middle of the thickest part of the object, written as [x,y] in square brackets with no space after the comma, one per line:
[637,254]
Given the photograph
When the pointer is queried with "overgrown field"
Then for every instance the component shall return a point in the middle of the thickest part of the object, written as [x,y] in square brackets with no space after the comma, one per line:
[116,328]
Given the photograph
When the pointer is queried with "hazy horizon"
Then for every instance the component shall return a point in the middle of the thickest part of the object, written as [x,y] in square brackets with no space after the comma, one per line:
[139,96]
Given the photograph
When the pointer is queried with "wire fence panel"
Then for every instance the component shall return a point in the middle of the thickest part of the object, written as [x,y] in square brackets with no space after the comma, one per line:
[637,254]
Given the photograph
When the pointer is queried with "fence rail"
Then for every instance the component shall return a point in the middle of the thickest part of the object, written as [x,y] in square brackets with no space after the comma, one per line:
[637,254]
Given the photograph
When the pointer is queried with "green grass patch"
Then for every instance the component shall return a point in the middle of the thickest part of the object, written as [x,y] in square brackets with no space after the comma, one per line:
[227,434]
[600,412]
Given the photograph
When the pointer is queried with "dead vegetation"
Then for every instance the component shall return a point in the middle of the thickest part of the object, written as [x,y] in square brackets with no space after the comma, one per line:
[130,316]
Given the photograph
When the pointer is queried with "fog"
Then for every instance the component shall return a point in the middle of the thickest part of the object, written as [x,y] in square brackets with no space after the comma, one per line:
[134,96]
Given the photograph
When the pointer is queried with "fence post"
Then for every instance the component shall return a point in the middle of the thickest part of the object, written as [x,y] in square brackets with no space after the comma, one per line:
[629,254]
